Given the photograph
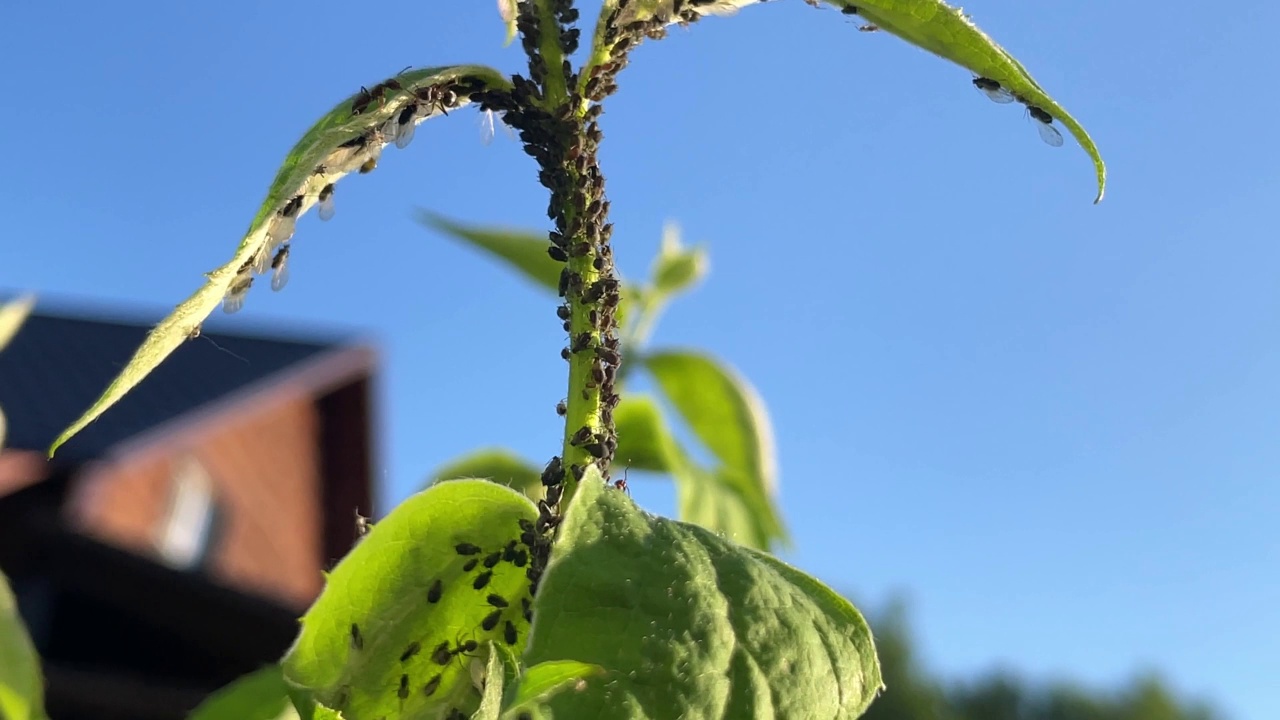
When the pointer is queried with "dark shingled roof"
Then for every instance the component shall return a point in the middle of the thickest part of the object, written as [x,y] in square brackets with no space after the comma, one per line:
[57,366]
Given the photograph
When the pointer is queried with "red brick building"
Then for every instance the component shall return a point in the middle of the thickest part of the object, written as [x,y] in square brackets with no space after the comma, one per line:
[171,546]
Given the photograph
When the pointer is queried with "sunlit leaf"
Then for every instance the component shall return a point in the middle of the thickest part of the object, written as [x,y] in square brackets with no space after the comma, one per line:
[677,268]
[21,684]
[324,155]
[507,11]
[643,438]
[524,250]
[544,680]
[12,315]
[389,633]
[721,408]
[261,695]
[949,33]
[929,24]
[498,465]
[687,624]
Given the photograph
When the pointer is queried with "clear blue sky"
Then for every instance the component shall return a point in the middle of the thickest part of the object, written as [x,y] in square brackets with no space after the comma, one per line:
[1053,425]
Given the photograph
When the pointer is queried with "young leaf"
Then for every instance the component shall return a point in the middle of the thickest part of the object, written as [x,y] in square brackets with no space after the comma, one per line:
[261,695]
[542,682]
[21,684]
[346,139]
[948,33]
[728,632]
[497,465]
[12,315]
[644,443]
[507,11]
[677,268]
[524,250]
[403,616]
[722,409]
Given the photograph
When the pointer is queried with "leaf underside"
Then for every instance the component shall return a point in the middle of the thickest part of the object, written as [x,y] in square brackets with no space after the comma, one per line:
[324,155]
[21,684]
[389,634]
[687,624]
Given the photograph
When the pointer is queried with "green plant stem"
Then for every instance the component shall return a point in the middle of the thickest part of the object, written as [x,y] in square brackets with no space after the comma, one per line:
[555,90]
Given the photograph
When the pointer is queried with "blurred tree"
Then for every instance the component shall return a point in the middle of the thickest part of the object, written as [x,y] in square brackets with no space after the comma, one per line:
[912,694]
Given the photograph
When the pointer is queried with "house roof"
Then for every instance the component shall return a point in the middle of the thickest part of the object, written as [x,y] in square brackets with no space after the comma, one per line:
[57,365]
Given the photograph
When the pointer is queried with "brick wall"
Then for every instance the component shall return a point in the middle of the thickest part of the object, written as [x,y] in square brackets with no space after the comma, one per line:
[264,465]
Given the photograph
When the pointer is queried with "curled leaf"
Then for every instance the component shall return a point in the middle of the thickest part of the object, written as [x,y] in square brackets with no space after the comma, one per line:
[347,139]
[948,33]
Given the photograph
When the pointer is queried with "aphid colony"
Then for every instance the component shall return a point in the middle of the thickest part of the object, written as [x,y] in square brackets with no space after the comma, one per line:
[358,154]
[424,666]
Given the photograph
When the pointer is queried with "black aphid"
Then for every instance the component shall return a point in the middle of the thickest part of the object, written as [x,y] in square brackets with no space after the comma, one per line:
[509,633]
[482,579]
[432,685]
[497,600]
[437,589]
[490,621]
[471,565]
[466,549]
[403,692]
[493,559]
[357,640]
[410,651]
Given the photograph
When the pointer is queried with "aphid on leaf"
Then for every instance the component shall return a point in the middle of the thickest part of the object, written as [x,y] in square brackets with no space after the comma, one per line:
[1044,123]
[368,166]
[403,691]
[326,202]
[466,549]
[509,633]
[432,685]
[433,594]
[496,600]
[357,639]
[410,651]
[847,9]
[490,621]
[493,559]
[993,90]
[280,268]
[482,580]
[868,28]
[471,565]
[236,294]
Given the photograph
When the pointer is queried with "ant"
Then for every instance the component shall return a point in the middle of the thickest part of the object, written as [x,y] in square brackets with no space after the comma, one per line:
[366,96]
[622,484]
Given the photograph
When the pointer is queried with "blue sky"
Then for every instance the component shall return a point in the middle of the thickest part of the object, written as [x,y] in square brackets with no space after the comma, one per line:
[1052,425]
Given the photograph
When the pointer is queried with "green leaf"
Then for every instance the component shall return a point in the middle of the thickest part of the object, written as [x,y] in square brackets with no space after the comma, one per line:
[261,695]
[687,624]
[414,592]
[21,684]
[949,33]
[500,663]
[929,24]
[322,157]
[644,443]
[676,268]
[12,315]
[722,501]
[507,10]
[498,465]
[722,410]
[546,679]
[524,250]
